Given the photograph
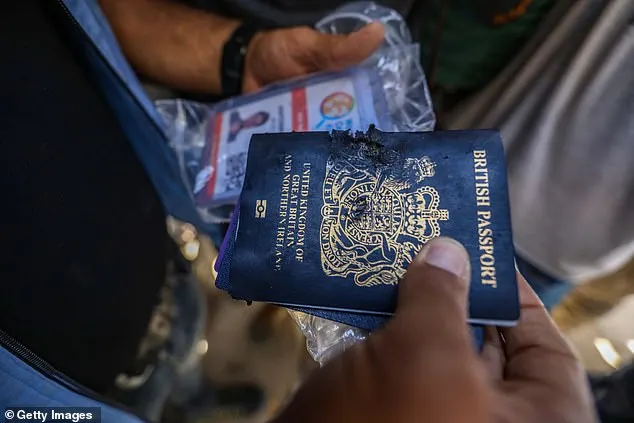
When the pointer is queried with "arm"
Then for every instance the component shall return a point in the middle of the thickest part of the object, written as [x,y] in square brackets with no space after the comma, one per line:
[171,43]
[182,47]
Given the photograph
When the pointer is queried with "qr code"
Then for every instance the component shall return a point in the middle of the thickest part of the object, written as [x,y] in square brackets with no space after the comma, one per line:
[235,169]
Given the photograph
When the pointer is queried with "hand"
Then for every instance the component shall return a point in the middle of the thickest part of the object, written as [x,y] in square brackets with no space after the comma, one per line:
[287,53]
[422,367]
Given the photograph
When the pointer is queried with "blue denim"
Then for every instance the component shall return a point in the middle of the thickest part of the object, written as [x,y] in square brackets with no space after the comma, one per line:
[23,386]
[549,289]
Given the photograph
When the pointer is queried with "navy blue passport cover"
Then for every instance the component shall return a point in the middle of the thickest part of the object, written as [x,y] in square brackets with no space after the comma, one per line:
[332,221]
[368,322]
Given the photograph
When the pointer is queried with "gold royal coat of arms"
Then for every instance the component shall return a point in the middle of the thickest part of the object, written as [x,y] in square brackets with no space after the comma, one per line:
[374,221]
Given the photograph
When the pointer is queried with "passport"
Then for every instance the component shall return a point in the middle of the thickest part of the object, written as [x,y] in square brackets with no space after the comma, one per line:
[364,321]
[330,221]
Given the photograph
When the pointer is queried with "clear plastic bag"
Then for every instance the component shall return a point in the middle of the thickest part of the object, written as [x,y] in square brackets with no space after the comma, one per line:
[211,140]
[353,16]
[326,339]
[404,80]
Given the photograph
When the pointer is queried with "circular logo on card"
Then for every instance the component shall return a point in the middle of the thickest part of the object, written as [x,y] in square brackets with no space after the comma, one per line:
[336,105]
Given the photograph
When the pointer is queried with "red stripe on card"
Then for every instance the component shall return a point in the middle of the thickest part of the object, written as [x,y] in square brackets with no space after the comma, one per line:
[215,140]
[299,110]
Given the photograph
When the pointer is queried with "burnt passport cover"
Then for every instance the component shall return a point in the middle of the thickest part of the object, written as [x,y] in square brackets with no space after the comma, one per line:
[331,221]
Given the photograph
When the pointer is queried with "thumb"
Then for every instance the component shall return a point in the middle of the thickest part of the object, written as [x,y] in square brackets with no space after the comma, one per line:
[433,297]
[332,52]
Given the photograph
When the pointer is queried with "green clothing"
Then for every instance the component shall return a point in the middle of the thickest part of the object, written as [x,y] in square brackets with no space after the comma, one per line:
[471,47]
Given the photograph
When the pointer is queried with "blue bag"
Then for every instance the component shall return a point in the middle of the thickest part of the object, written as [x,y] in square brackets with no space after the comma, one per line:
[26,380]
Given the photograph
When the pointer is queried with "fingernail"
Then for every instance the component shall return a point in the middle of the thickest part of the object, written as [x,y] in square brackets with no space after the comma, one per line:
[446,254]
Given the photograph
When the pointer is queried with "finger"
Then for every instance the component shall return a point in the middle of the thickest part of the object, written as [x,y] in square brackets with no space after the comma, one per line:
[535,349]
[429,338]
[332,52]
[432,299]
[541,368]
[492,354]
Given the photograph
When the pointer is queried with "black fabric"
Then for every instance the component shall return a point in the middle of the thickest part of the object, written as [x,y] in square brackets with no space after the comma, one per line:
[614,395]
[83,232]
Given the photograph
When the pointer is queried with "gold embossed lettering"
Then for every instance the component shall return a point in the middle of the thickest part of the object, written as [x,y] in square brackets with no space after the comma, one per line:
[487,271]
[281,232]
[486,243]
[489,282]
[293,212]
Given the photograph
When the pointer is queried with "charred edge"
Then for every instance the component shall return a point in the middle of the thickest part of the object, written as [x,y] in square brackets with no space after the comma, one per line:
[368,151]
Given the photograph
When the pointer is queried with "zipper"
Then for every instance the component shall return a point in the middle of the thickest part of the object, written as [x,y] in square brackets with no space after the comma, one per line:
[33,360]
[42,367]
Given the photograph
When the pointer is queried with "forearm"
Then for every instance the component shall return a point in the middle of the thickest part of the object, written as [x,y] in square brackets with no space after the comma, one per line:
[171,43]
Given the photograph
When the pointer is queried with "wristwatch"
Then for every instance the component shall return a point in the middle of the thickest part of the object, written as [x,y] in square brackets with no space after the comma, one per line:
[234,56]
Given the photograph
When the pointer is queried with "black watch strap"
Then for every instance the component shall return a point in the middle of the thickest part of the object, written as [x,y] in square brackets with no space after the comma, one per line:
[234,55]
